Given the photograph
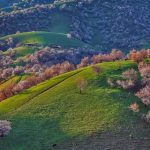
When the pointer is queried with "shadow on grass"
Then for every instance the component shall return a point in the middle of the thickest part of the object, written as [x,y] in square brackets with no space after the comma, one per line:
[33,134]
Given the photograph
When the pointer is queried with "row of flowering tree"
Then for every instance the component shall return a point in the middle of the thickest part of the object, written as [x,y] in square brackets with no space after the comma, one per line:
[54,70]
[143,92]
[137,81]
[130,76]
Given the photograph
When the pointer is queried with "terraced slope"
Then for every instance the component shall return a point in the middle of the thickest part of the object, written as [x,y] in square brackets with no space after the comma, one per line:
[53,115]
[9,81]
[12,80]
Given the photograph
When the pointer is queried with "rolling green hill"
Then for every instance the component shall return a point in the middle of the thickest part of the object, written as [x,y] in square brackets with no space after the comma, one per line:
[55,114]
[44,38]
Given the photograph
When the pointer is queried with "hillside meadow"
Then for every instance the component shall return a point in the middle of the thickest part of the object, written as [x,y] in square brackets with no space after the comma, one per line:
[44,38]
[54,115]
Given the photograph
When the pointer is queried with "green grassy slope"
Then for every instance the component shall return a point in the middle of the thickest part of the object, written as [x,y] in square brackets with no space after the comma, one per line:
[55,113]
[23,51]
[45,38]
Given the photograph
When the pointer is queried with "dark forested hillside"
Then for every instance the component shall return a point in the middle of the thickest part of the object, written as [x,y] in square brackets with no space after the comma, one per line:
[105,24]
[23,3]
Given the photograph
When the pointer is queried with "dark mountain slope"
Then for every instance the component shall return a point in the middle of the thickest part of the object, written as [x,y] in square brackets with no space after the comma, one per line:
[106,24]
[113,23]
